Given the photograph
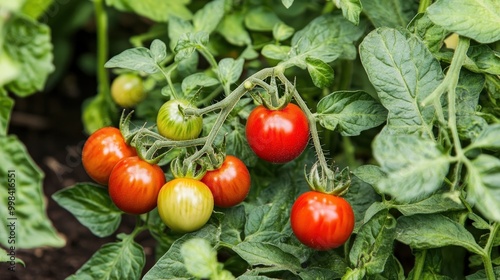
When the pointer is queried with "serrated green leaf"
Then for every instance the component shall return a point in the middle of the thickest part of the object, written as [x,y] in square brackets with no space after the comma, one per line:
[193,83]
[484,60]
[325,38]
[158,51]
[484,185]
[233,223]
[35,8]
[373,244]
[233,30]
[350,112]
[170,265]
[5,257]
[389,13]
[406,160]
[176,28]
[489,138]
[230,70]
[138,59]
[10,69]
[6,105]
[432,35]
[117,260]
[434,231]
[320,72]
[404,73]
[267,254]
[461,16]
[91,206]
[160,11]
[207,18]
[481,274]
[281,31]
[432,264]
[361,196]
[237,145]
[442,202]
[188,43]
[261,18]
[199,258]
[370,174]
[23,186]
[351,9]
[30,46]
[275,52]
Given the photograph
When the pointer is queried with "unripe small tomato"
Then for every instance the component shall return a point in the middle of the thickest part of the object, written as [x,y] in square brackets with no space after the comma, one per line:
[134,185]
[173,124]
[185,204]
[127,90]
[102,151]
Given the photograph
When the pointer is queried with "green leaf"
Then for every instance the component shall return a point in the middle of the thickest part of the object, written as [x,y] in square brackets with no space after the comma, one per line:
[481,274]
[361,196]
[373,244]
[91,206]
[233,223]
[370,174]
[350,9]
[233,30]
[6,105]
[434,231]
[350,112]
[35,8]
[137,59]
[158,51]
[320,72]
[170,265]
[159,11]
[406,160]
[117,260]
[404,73]
[176,28]
[267,254]
[389,13]
[193,83]
[489,138]
[431,34]
[433,264]
[97,113]
[10,69]
[261,18]
[484,185]
[199,258]
[230,70]
[5,257]
[207,18]
[441,202]
[281,31]
[287,3]
[30,46]
[237,145]
[461,16]
[188,43]
[22,199]
[325,38]
[484,60]
[275,52]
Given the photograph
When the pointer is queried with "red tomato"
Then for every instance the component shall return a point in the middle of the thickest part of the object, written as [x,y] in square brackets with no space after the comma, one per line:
[277,136]
[322,221]
[102,150]
[230,183]
[134,185]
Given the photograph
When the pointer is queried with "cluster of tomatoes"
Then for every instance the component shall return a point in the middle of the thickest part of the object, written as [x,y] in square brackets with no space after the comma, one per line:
[319,220]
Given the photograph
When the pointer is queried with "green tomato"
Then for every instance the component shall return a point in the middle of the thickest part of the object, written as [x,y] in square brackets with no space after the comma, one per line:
[173,124]
[127,90]
[185,204]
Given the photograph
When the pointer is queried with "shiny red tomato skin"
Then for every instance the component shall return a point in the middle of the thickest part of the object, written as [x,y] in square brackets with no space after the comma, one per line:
[102,151]
[277,136]
[230,183]
[134,185]
[322,221]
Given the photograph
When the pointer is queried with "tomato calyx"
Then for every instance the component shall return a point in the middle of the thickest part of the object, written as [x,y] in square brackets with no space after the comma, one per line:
[335,182]
[269,96]
[187,169]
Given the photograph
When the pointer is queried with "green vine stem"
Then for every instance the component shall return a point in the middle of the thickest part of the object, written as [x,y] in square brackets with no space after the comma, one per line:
[102,50]
[419,264]
[423,5]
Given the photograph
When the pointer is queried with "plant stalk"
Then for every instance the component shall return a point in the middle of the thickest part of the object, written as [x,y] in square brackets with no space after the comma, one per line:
[102,50]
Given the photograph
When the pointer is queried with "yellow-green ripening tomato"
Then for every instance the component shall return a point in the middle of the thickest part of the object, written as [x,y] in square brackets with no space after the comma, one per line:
[173,124]
[185,204]
[127,90]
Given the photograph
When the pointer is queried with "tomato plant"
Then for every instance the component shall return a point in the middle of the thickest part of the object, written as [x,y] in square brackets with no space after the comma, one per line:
[127,90]
[174,124]
[185,204]
[277,136]
[230,183]
[322,221]
[134,185]
[102,151]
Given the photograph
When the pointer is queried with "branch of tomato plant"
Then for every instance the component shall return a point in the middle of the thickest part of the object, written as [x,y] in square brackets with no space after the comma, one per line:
[167,72]
[422,6]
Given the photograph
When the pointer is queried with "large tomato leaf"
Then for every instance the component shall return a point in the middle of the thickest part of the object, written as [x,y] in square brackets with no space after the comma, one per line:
[30,46]
[484,185]
[91,206]
[350,112]
[461,16]
[28,213]
[124,259]
[389,13]
[351,9]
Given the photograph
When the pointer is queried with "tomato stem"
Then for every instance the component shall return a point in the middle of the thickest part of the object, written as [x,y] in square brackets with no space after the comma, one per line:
[102,50]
